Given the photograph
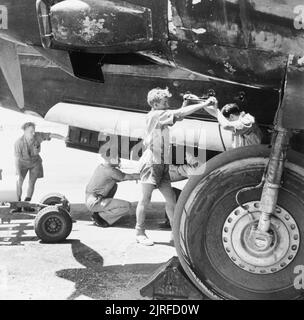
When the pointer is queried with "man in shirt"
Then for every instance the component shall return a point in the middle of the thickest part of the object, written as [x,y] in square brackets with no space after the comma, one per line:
[154,163]
[27,159]
[101,190]
[245,131]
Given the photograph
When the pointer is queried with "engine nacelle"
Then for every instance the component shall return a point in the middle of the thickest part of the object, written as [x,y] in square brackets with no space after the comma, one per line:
[99,26]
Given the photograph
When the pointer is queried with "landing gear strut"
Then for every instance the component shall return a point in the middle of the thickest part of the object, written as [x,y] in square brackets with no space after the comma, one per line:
[273,179]
[269,238]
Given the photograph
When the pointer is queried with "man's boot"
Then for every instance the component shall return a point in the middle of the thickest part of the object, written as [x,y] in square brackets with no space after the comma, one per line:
[28,208]
[99,221]
[17,210]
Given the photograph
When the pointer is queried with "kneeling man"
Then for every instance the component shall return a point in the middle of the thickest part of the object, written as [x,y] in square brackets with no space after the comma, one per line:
[101,190]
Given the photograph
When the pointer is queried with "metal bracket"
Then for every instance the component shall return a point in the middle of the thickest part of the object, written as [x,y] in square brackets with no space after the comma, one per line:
[44,22]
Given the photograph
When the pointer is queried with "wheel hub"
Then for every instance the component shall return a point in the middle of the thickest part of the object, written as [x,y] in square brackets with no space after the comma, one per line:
[255,251]
[257,242]
[53,225]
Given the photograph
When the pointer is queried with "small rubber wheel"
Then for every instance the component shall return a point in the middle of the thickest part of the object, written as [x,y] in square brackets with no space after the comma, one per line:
[56,198]
[53,224]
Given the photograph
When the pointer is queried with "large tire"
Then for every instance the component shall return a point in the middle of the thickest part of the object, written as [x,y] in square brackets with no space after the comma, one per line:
[201,214]
[52,199]
[53,224]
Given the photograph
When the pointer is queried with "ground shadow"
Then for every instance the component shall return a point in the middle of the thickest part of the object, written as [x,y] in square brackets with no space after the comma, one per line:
[19,237]
[98,282]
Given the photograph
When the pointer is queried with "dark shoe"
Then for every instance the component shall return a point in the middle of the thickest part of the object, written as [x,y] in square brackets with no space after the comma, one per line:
[28,209]
[98,221]
[165,224]
[16,210]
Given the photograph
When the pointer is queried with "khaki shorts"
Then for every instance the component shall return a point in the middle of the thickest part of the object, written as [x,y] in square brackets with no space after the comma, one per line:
[156,174]
[36,172]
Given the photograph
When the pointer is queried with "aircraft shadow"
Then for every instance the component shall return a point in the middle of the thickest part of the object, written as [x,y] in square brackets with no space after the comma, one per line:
[96,281]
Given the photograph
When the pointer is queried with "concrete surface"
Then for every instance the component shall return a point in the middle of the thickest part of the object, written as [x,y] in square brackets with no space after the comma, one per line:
[93,263]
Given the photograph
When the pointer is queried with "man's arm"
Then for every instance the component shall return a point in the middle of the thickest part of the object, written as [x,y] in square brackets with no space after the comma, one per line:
[46,136]
[121,176]
[225,123]
[18,155]
[185,111]
[57,136]
[17,165]
[131,176]
[212,110]
[236,125]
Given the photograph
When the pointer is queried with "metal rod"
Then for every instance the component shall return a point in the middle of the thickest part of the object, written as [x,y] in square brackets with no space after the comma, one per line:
[274,174]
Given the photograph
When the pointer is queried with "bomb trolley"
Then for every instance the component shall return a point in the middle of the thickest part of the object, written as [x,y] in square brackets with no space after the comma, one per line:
[53,222]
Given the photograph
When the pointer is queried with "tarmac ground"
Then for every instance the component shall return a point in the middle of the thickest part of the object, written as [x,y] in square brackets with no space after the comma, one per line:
[93,263]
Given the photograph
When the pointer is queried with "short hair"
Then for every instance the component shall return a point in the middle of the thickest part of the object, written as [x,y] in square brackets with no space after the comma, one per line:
[27,125]
[157,94]
[229,109]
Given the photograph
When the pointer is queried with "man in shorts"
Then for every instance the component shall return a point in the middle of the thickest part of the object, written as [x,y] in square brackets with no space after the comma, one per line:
[27,159]
[154,163]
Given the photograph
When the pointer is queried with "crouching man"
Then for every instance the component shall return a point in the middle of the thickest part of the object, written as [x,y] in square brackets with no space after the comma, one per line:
[101,190]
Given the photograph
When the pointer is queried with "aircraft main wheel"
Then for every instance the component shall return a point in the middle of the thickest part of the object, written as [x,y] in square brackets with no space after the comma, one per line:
[56,198]
[212,233]
[53,224]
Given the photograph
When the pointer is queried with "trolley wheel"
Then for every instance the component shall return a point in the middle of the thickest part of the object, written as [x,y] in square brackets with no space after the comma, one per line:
[212,233]
[53,224]
[52,199]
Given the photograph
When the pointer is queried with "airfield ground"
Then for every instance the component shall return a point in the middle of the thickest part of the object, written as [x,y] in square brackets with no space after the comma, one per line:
[93,263]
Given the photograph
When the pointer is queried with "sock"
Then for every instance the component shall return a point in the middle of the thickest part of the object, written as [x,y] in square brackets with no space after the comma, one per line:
[28,199]
[140,231]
